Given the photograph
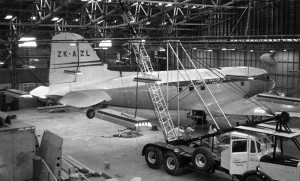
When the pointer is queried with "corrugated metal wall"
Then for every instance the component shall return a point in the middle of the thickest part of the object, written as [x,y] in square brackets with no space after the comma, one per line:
[286,72]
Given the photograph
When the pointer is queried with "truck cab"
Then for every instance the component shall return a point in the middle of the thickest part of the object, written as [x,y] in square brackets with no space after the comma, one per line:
[251,153]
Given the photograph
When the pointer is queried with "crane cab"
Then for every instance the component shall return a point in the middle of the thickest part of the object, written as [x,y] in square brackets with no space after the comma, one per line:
[244,152]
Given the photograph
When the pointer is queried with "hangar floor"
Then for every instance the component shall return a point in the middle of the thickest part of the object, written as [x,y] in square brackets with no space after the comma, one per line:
[91,142]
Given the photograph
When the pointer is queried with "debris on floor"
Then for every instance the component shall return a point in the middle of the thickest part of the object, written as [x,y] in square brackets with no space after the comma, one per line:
[128,134]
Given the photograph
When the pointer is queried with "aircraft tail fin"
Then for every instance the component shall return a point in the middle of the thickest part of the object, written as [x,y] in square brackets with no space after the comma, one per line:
[71,55]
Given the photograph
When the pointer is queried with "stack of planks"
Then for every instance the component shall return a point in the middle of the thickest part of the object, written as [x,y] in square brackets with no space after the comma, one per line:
[72,168]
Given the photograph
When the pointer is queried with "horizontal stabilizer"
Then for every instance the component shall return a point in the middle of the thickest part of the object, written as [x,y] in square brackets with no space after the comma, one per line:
[40,92]
[85,98]
[122,119]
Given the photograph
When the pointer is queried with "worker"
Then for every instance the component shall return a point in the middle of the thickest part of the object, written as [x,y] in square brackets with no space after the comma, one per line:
[189,131]
[128,134]
[213,129]
[179,131]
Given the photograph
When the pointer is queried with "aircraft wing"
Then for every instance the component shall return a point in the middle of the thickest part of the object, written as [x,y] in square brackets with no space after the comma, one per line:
[85,98]
[261,104]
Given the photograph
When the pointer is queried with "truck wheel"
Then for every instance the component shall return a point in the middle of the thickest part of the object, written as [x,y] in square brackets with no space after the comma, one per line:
[154,157]
[253,178]
[203,159]
[172,164]
[90,113]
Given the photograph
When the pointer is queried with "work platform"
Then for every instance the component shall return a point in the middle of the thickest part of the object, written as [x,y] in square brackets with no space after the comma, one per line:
[123,119]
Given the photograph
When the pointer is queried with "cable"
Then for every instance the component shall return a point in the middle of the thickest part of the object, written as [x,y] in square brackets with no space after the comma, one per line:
[240,90]
[136,93]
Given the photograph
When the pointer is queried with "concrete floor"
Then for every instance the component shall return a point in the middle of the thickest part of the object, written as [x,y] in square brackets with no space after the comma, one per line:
[91,142]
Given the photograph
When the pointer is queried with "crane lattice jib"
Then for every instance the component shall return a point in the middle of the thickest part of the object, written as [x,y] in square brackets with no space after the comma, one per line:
[156,96]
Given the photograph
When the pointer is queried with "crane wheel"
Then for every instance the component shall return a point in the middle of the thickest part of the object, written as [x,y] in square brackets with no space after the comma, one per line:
[90,113]
[154,157]
[172,164]
[203,159]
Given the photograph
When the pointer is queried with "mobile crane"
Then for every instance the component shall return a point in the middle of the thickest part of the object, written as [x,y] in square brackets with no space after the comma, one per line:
[244,152]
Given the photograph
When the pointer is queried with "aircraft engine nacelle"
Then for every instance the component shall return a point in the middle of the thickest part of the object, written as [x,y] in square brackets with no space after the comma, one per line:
[268,59]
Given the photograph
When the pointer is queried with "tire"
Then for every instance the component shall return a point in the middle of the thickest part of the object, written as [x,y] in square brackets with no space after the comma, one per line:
[253,178]
[90,113]
[172,164]
[203,159]
[154,157]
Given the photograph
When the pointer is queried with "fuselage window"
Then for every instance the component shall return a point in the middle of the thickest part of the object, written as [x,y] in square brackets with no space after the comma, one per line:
[191,88]
[242,83]
[202,87]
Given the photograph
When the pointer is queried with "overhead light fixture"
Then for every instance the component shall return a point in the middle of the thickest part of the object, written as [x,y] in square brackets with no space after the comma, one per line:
[34,60]
[54,18]
[31,67]
[8,17]
[160,49]
[228,49]
[284,50]
[105,43]
[194,48]
[1,63]
[209,50]
[27,39]
[33,18]
[72,44]
[272,50]
[251,50]
[169,4]
[28,42]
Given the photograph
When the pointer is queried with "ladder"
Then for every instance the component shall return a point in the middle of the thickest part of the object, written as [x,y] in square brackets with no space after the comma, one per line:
[156,96]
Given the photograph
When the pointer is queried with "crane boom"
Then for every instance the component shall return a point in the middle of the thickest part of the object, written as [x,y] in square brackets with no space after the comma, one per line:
[144,62]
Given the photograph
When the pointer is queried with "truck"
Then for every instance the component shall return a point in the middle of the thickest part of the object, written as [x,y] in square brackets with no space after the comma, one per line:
[252,152]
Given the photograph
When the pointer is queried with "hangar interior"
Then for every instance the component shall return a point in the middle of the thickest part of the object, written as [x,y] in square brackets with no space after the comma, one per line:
[215,33]
[209,29]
